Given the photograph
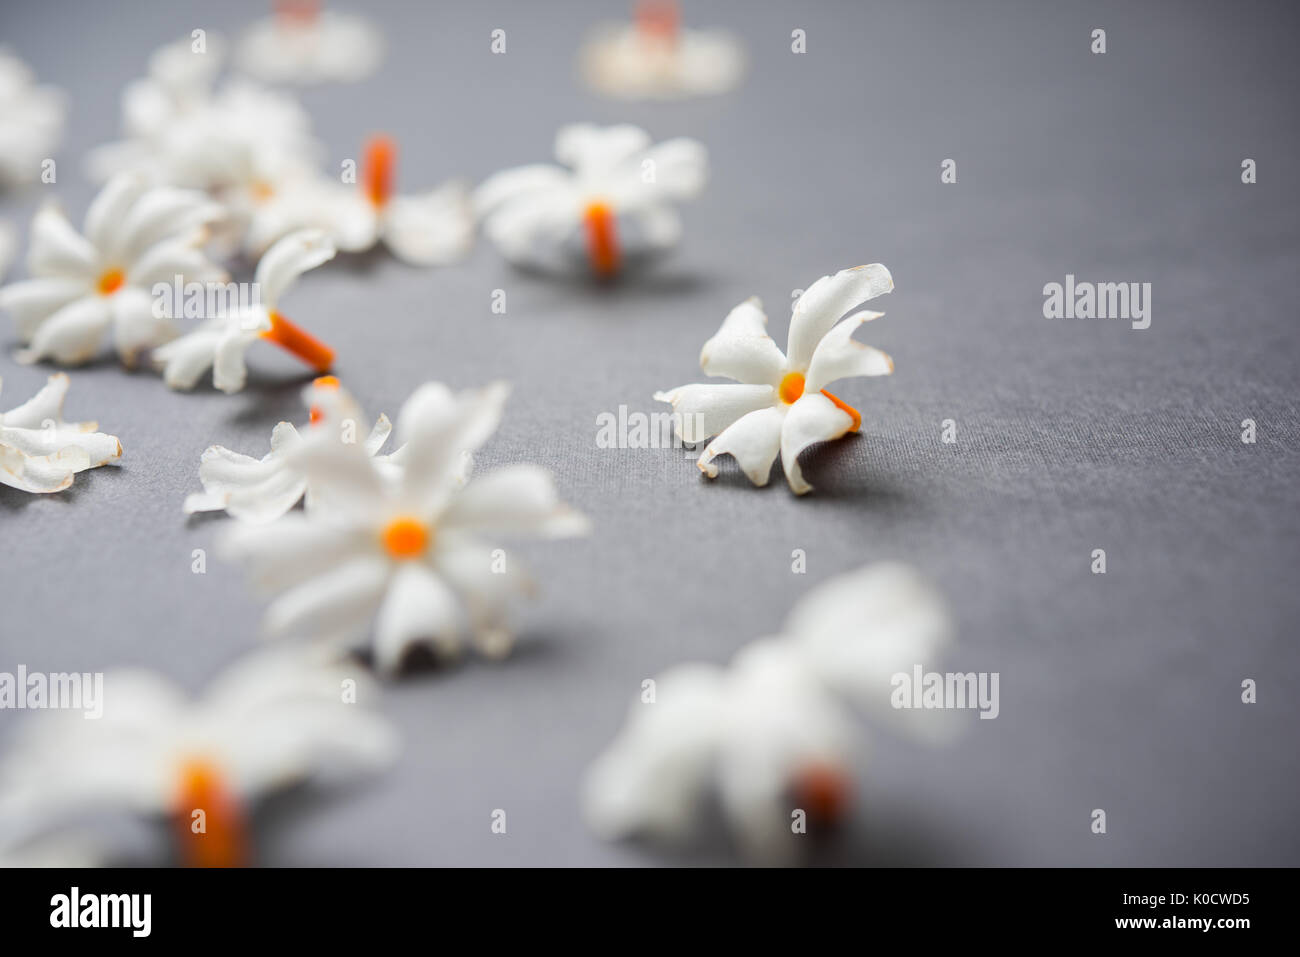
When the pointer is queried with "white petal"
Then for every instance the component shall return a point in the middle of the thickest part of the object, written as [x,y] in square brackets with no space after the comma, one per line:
[164,261]
[100,449]
[754,440]
[56,249]
[378,435]
[228,369]
[162,213]
[518,499]
[419,608]
[32,301]
[825,301]
[135,327]
[814,418]
[40,474]
[706,409]
[742,350]
[432,229]
[671,171]
[47,404]
[510,184]
[294,549]
[839,356]
[290,258]
[72,335]
[336,603]
[437,427]
[185,360]
[592,150]
[107,211]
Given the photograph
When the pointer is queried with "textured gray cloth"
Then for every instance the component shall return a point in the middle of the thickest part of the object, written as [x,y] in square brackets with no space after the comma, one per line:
[1119,692]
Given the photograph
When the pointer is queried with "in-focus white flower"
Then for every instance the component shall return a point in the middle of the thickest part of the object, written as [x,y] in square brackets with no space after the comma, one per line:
[180,131]
[220,342]
[655,58]
[302,44]
[779,402]
[39,452]
[773,732]
[425,229]
[31,121]
[615,204]
[271,721]
[83,285]
[415,562]
[261,490]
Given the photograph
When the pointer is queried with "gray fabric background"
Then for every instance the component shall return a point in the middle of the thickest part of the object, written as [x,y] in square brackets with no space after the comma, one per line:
[1119,692]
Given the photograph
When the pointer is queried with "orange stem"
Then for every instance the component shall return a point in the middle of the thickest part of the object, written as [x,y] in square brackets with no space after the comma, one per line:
[845,407]
[221,839]
[658,20]
[602,240]
[300,342]
[298,12]
[380,161]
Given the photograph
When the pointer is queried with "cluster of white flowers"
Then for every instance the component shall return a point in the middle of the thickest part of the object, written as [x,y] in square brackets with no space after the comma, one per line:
[403,549]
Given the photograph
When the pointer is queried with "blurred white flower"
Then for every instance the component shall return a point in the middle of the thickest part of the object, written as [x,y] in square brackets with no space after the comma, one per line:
[39,452]
[773,732]
[419,558]
[655,58]
[31,121]
[134,236]
[8,245]
[780,403]
[220,342]
[261,490]
[181,131]
[302,44]
[615,204]
[271,721]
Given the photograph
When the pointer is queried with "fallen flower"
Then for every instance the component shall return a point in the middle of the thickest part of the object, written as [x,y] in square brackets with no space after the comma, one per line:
[134,237]
[302,44]
[8,243]
[31,122]
[614,206]
[417,558]
[261,490]
[654,57]
[272,721]
[780,403]
[39,452]
[221,341]
[770,735]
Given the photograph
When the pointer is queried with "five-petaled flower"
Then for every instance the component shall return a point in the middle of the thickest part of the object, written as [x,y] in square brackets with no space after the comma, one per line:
[615,205]
[31,122]
[303,44]
[220,343]
[419,557]
[82,285]
[772,733]
[39,452]
[779,403]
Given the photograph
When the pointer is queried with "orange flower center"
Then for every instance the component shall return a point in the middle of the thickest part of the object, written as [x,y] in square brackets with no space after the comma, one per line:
[301,343]
[262,191]
[111,281]
[791,390]
[406,537]
[602,239]
[209,822]
[381,158]
[658,20]
[823,791]
[324,382]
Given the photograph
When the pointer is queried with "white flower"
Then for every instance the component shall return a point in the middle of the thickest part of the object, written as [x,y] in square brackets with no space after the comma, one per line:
[615,204]
[31,121]
[415,558]
[655,58]
[300,44]
[39,452]
[271,721]
[426,229]
[261,490]
[772,732]
[780,404]
[220,342]
[134,237]
[180,132]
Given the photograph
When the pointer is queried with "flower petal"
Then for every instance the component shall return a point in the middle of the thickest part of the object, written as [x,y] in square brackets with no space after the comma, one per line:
[705,409]
[40,475]
[109,208]
[135,327]
[511,184]
[186,359]
[47,404]
[288,259]
[825,301]
[72,335]
[437,427]
[418,609]
[229,372]
[335,604]
[753,439]
[162,213]
[32,301]
[431,229]
[593,150]
[814,418]
[742,350]
[839,356]
[517,499]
